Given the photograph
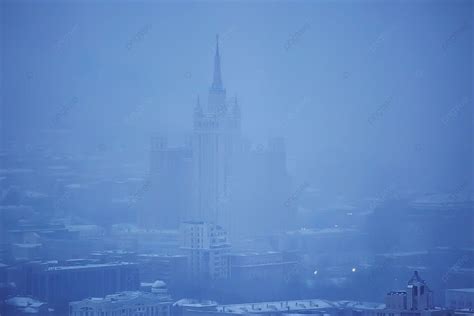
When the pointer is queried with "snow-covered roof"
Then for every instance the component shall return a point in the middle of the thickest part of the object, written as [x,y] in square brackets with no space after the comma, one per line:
[294,306]
[25,304]
[323,231]
[159,284]
[122,299]
[190,302]
[466,290]
[445,201]
[34,194]
[15,170]
[27,245]
[90,266]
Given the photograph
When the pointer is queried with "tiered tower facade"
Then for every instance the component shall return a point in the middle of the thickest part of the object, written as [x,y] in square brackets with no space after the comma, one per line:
[215,140]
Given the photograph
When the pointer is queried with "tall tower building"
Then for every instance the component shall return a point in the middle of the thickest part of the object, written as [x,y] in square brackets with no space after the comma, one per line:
[219,179]
[215,140]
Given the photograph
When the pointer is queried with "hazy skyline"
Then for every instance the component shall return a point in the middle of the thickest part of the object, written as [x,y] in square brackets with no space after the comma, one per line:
[378,92]
[329,157]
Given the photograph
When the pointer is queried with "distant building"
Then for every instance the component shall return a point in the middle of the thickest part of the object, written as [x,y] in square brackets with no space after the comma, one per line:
[6,288]
[325,244]
[124,303]
[161,290]
[295,307]
[26,251]
[216,138]
[417,227]
[260,266]
[182,306]
[261,200]
[171,269]
[416,300]
[261,276]
[10,216]
[157,287]
[34,240]
[107,256]
[24,306]
[460,299]
[59,285]
[208,250]
[171,183]
[247,191]
[417,296]
[144,240]
[396,300]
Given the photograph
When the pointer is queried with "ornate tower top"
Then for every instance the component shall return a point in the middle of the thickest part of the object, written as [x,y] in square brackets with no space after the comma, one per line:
[416,279]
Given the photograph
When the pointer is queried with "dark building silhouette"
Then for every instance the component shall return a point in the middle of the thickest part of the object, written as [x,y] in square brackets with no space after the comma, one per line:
[170,181]
[59,285]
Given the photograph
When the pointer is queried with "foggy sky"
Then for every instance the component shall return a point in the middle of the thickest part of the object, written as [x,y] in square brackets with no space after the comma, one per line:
[366,94]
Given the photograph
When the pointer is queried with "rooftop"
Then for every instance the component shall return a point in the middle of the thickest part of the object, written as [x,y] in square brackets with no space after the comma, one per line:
[470,290]
[25,304]
[397,293]
[90,266]
[190,302]
[416,279]
[297,305]
[122,299]
[322,231]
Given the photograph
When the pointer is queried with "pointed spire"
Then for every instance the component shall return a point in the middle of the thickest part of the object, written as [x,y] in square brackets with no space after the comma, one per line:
[236,107]
[198,108]
[217,79]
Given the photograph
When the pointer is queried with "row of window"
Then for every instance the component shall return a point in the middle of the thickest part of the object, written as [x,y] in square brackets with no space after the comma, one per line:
[145,311]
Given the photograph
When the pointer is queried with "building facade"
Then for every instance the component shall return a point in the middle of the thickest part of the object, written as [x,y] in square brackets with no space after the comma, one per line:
[171,183]
[171,269]
[216,138]
[260,267]
[207,248]
[24,306]
[417,296]
[416,300]
[124,303]
[232,184]
[60,284]
[459,299]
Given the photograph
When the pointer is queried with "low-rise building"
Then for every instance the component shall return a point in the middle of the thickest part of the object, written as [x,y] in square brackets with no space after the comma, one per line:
[183,306]
[417,296]
[416,300]
[60,284]
[460,299]
[260,266]
[123,303]
[171,269]
[23,306]
[294,307]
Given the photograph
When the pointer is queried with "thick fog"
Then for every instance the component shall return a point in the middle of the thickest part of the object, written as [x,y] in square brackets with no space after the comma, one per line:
[337,135]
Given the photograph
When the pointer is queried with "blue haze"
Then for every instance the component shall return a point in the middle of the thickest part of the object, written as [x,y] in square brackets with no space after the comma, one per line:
[373,99]
[343,67]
